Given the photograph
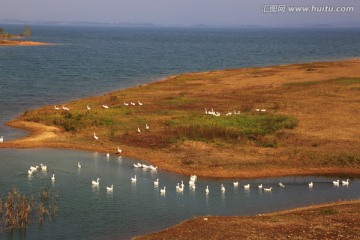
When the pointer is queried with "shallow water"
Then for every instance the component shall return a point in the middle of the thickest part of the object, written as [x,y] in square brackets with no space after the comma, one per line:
[134,209]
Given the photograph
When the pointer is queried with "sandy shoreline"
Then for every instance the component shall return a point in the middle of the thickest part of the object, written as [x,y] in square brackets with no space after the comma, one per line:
[270,78]
[7,43]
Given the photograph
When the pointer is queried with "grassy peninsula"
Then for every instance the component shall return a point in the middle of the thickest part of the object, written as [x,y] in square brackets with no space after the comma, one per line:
[8,39]
[311,124]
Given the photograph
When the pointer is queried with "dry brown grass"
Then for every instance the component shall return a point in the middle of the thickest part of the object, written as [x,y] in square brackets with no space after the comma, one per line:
[330,221]
[326,140]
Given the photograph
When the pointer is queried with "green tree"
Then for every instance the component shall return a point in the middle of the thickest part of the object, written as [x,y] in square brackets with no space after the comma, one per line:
[27,32]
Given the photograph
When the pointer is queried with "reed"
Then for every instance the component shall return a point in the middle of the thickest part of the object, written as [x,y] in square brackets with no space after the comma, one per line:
[20,210]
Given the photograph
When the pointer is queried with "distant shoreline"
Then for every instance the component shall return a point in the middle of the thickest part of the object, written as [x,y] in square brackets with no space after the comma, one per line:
[7,43]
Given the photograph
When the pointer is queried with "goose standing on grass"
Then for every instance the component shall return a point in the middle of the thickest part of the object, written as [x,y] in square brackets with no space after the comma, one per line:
[78,165]
[345,183]
[126,104]
[138,130]
[311,184]
[140,103]
[156,183]
[207,190]
[336,183]
[53,178]
[87,107]
[105,106]
[132,103]
[147,127]
[163,191]
[110,189]
[65,108]
[119,150]
[133,179]
[56,108]
[95,183]
[96,137]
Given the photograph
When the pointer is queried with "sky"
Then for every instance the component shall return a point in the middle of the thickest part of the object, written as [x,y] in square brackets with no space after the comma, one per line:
[183,12]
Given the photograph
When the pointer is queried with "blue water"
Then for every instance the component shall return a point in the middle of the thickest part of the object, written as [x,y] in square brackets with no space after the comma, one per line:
[93,60]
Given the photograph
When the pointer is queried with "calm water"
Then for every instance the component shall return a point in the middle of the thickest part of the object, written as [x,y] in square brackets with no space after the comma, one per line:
[133,209]
[92,60]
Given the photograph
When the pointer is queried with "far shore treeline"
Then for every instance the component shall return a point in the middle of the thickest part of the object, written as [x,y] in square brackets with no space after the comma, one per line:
[26,33]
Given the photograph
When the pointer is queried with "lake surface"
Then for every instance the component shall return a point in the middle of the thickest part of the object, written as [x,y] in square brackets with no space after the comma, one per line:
[86,212]
[93,60]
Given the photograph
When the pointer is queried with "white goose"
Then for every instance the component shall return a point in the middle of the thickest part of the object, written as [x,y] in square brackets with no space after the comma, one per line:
[281,184]
[247,186]
[53,178]
[236,184]
[177,187]
[345,183]
[268,189]
[56,108]
[132,103]
[78,165]
[182,183]
[30,172]
[95,183]
[156,183]
[153,168]
[43,167]
[65,108]
[133,179]
[1,139]
[193,178]
[140,103]
[119,150]
[110,189]
[137,165]
[87,107]
[222,188]
[207,190]
[105,106]
[138,130]
[336,183]
[311,184]
[147,127]
[33,169]
[260,186]
[163,191]
[107,155]
[96,137]
[126,104]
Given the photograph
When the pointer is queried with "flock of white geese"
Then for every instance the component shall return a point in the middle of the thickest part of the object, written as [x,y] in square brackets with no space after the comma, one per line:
[104,106]
[180,185]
